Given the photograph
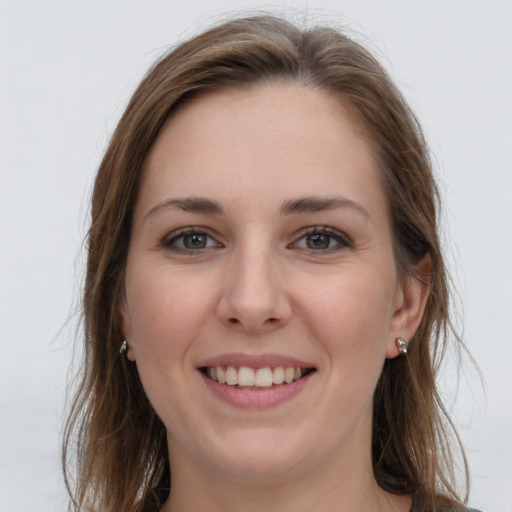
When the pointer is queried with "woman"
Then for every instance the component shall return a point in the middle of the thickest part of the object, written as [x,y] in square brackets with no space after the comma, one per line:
[266,302]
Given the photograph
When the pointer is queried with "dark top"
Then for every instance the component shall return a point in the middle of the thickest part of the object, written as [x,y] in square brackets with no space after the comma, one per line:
[416,507]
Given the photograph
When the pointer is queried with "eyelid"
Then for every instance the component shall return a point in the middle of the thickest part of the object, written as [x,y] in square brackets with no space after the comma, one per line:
[169,240]
[344,241]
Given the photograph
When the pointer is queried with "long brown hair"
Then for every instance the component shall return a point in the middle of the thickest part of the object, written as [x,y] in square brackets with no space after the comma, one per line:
[121,454]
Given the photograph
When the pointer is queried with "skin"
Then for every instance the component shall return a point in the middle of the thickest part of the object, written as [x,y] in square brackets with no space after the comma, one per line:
[258,284]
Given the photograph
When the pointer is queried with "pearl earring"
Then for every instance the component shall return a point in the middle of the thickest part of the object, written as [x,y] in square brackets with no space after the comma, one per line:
[401,343]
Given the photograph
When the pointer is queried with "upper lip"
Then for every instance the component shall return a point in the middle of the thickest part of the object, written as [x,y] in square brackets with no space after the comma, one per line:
[255,361]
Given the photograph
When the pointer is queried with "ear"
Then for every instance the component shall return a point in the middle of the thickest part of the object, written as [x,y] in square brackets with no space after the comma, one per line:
[411,299]
[126,328]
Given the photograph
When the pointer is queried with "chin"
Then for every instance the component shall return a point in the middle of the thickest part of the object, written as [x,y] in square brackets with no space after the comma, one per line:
[260,458]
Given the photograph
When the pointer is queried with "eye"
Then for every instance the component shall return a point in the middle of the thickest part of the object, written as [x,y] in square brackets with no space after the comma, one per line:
[189,240]
[321,239]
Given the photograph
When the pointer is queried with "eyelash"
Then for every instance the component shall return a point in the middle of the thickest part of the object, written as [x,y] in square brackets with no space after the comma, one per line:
[342,241]
[171,241]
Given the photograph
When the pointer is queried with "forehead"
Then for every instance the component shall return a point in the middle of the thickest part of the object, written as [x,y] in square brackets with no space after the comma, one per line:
[269,140]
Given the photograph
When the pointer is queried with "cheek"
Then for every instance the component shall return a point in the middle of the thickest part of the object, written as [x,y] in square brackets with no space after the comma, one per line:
[351,315]
[166,311]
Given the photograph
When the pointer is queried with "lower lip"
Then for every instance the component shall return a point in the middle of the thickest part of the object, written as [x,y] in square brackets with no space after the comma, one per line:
[256,398]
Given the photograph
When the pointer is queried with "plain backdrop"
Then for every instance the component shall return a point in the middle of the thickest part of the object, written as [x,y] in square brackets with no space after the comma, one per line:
[67,69]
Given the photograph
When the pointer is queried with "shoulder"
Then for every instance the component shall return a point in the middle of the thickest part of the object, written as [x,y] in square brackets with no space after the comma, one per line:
[456,508]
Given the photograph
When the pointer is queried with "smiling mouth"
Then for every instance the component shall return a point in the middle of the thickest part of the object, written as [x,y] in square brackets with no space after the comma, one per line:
[255,378]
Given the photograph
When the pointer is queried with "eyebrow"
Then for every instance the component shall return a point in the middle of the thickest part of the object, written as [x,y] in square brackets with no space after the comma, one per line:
[188,204]
[308,204]
[311,204]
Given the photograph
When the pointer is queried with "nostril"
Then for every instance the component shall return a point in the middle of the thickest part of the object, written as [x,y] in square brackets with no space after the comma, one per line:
[251,323]
[235,321]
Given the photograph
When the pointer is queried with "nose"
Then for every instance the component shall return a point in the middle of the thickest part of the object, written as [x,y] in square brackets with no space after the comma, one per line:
[254,293]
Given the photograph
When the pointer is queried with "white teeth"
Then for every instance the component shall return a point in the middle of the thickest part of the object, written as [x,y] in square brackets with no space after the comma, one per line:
[278,375]
[263,377]
[251,377]
[231,376]
[246,376]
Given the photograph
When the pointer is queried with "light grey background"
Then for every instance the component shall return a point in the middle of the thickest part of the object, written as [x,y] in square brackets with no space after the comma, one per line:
[67,69]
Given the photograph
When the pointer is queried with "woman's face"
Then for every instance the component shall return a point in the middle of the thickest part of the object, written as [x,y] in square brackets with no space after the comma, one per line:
[261,251]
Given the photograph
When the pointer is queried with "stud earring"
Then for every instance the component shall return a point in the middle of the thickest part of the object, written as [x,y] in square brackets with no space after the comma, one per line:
[124,346]
[401,343]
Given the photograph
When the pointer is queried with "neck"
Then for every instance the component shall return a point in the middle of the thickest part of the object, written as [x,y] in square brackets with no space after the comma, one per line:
[341,488]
